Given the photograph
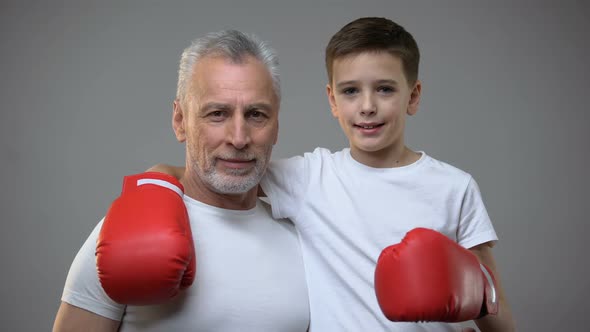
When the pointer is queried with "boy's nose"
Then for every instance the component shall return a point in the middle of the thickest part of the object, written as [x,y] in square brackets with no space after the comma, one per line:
[368,107]
[369,112]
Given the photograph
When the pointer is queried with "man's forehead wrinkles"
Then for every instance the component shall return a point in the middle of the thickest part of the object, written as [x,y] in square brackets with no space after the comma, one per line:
[225,86]
[235,96]
[225,81]
[217,105]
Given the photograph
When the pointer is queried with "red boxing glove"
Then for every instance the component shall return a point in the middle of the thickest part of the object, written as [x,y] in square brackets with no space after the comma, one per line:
[145,252]
[429,277]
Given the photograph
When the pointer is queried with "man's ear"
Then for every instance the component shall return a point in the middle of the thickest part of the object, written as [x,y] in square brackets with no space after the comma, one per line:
[415,98]
[332,100]
[276,134]
[178,121]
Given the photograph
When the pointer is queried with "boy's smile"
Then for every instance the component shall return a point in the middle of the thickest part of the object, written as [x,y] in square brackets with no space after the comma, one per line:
[368,127]
[370,96]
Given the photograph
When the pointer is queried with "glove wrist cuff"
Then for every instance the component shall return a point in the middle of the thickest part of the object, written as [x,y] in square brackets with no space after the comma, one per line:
[490,304]
[132,182]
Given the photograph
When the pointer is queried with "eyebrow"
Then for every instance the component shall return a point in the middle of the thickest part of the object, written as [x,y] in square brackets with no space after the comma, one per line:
[262,106]
[217,106]
[351,82]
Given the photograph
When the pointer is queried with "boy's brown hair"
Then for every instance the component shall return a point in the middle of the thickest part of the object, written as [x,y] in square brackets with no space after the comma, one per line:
[375,34]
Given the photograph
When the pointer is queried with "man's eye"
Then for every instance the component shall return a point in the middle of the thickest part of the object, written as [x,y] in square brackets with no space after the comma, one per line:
[217,114]
[256,115]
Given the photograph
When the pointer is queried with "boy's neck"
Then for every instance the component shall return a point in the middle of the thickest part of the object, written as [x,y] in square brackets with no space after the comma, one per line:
[399,157]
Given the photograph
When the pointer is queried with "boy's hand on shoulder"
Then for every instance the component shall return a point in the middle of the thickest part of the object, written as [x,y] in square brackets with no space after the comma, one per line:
[175,171]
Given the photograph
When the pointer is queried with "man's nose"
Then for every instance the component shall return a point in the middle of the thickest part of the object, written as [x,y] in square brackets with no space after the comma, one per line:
[368,106]
[238,133]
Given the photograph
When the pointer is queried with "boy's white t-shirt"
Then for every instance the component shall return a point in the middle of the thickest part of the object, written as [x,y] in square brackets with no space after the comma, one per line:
[249,277]
[346,213]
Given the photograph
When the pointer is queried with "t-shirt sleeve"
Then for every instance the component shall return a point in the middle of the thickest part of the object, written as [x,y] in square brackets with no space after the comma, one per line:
[83,289]
[285,183]
[475,226]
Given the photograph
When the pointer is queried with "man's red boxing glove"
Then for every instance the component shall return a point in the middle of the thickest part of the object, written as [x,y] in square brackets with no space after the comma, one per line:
[429,277]
[145,252]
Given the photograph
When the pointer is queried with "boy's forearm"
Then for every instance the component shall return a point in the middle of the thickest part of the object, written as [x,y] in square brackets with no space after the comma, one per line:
[501,322]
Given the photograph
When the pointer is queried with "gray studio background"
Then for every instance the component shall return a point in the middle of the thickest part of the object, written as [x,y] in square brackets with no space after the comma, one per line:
[86,92]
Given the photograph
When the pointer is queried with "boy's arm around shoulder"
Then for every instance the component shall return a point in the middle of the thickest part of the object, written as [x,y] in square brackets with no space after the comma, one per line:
[503,320]
[178,173]
[70,318]
[175,171]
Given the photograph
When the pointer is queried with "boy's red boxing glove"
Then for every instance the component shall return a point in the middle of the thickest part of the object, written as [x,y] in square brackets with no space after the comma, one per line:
[145,252]
[429,277]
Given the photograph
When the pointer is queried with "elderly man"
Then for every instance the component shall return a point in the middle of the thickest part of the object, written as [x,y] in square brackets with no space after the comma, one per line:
[249,272]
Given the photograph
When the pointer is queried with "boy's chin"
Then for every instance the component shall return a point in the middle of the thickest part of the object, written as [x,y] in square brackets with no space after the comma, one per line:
[368,148]
[370,145]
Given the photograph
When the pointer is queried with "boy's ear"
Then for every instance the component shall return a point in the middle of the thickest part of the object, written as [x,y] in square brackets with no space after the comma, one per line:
[415,98]
[178,121]
[331,100]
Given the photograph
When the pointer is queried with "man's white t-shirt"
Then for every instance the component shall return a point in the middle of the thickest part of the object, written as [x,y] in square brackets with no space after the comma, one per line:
[249,277]
[346,213]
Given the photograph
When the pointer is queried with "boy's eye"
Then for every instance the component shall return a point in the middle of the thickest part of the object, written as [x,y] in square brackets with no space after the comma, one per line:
[349,91]
[385,89]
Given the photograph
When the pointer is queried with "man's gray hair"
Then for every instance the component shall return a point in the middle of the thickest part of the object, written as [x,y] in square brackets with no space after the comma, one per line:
[234,45]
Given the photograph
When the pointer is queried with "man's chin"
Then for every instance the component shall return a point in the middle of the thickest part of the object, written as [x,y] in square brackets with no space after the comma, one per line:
[233,190]
[237,173]
[234,184]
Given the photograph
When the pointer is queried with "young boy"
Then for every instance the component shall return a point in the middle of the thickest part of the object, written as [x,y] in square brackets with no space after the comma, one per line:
[350,205]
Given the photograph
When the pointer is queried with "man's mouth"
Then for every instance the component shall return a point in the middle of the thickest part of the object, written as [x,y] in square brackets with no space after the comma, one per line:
[237,163]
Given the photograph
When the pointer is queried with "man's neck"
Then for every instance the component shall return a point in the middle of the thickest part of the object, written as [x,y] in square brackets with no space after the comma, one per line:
[196,189]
